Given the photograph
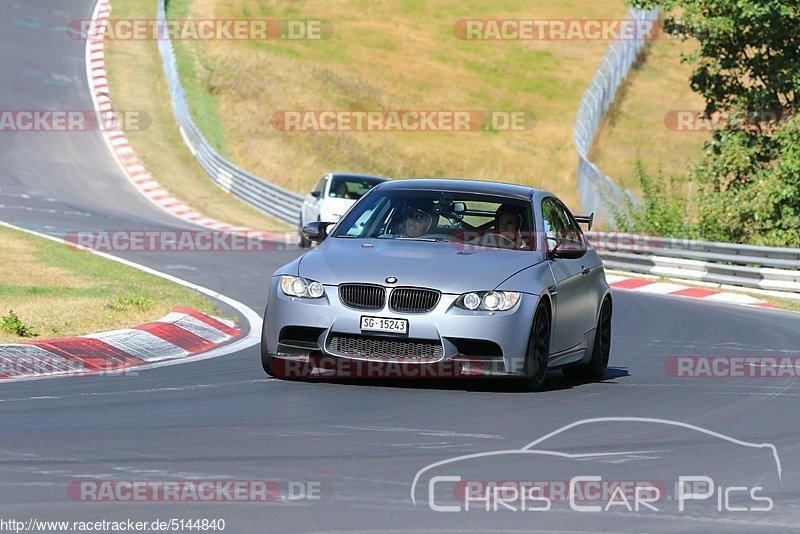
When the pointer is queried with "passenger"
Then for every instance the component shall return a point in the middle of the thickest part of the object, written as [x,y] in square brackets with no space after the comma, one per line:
[508,223]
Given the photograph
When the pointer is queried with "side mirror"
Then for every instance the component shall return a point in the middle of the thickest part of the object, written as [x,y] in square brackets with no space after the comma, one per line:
[568,249]
[316,194]
[316,231]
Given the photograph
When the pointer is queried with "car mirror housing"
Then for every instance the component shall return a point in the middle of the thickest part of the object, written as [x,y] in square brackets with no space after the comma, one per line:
[316,194]
[316,231]
[568,249]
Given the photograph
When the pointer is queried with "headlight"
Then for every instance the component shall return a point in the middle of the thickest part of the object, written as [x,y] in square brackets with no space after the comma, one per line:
[488,300]
[294,286]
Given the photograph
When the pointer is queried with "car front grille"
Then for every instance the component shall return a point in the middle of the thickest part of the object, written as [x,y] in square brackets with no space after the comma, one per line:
[385,348]
[413,300]
[362,296]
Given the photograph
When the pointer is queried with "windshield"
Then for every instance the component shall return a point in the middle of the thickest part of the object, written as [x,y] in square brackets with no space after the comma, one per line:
[474,219]
[351,187]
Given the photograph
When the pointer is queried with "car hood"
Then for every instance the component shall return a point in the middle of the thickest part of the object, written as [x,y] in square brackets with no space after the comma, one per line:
[441,266]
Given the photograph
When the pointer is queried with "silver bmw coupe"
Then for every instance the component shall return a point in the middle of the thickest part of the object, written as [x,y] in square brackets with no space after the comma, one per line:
[479,278]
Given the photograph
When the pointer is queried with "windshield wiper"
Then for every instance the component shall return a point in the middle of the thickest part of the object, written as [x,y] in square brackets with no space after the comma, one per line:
[428,239]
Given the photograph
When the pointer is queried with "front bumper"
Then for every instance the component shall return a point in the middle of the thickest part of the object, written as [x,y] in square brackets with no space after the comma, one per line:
[446,327]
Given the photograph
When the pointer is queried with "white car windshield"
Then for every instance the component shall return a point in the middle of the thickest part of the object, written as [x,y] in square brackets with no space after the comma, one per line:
[350,187]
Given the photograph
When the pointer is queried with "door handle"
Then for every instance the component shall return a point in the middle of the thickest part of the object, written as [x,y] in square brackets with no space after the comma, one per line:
[585,270]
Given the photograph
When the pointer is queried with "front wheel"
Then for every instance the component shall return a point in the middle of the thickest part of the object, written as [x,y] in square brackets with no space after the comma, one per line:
[266,359]
[538,354]
[302,242]
[601,349]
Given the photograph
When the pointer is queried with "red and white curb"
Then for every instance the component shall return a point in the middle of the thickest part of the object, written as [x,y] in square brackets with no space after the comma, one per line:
[118,143]
[182,333]
[656,287]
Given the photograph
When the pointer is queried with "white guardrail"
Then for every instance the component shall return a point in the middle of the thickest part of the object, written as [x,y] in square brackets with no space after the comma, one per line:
[740,265]
[261,194]
[768,268]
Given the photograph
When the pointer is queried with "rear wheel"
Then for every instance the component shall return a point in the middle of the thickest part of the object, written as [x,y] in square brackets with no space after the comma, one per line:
[601,349]
[538,355]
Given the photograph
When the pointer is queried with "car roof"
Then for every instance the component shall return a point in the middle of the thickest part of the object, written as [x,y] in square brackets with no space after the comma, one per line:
[358,176]
[460,186]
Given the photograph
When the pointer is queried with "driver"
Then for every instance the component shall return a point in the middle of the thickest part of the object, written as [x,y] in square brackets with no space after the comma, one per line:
[341,190]
[417,221]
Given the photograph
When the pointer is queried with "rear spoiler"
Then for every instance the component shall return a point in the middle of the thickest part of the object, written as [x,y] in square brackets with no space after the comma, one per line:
[585,219]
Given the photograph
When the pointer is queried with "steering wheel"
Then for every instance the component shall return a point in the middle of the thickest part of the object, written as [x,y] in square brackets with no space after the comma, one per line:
[510,242]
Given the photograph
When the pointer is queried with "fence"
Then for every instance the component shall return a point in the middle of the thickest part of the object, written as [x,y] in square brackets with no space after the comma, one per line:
[261,194]
[594,187]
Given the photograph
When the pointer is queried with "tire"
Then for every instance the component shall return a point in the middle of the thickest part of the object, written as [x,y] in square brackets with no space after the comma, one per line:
[302,242]
[276,367]
[266,359]
[538,353]
[601,349]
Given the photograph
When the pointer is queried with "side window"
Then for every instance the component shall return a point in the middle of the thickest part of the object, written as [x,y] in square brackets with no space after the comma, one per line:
[553,218]
[573,231]
[320,187]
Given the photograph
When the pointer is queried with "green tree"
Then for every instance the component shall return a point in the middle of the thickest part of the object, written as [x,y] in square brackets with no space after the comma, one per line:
[747,198]
[748,50]
[747,62]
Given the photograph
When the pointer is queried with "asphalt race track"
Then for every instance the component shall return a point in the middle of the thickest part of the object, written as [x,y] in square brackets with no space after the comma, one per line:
[360,444]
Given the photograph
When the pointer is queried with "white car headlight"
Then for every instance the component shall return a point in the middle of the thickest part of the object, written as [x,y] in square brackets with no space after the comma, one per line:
[488,300]
[294,286]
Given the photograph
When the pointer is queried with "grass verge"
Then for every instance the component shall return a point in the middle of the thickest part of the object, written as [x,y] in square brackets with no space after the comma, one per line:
[50,290]
[137,83]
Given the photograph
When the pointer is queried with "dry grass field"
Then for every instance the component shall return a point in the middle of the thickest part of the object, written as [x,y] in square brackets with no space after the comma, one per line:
[636,125]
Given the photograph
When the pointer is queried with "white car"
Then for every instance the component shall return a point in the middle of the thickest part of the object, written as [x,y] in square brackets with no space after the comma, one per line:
[332,197]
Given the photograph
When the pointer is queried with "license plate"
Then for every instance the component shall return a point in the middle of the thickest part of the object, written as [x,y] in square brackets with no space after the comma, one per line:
[381,324]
